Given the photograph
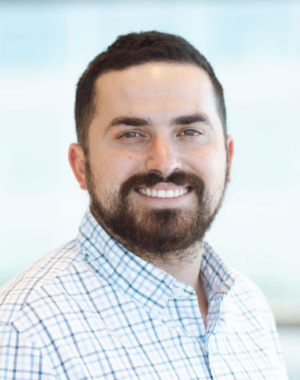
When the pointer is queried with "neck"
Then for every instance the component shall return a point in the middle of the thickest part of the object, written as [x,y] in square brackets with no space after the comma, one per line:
[184,265]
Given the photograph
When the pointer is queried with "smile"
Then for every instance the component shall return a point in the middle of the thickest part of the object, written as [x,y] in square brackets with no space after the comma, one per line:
[163,193]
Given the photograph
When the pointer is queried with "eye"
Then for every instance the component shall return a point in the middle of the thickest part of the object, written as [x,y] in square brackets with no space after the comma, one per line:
[190,132]
[130,135]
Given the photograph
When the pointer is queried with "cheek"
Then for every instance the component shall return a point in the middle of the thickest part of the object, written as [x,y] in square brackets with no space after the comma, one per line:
[110,171]
[211,166]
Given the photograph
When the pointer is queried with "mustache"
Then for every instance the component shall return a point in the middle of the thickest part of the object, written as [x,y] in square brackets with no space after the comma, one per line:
[179,178]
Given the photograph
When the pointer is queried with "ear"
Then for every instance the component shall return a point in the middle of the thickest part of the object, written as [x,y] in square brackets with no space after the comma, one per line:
[230,150]
[77,162]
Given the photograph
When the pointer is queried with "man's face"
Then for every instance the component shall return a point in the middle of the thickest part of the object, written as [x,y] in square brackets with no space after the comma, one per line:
[156,169]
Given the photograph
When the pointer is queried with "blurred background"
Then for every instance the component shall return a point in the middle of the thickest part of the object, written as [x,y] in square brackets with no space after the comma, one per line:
[254,48]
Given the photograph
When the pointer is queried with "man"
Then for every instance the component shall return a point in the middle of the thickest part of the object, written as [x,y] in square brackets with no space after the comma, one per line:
[139,295]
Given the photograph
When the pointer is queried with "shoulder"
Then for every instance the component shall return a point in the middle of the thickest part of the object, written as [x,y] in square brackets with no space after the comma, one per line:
[247,301]
[223,278]
[244,314]
[248,292]
[15,293]
[243,298]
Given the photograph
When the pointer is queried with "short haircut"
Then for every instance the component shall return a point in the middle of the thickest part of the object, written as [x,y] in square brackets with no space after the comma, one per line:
[135,49]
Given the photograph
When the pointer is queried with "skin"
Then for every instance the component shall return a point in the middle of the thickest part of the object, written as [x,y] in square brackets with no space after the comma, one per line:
[157,97]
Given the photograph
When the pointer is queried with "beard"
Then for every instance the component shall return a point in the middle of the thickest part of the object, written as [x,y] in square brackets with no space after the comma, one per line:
[155,231]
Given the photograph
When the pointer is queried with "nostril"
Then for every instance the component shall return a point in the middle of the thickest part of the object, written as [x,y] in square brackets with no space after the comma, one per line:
[162,156]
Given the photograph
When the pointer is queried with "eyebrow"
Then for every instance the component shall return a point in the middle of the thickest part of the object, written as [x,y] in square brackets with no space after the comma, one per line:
[131,121]
[139,122]
[190,119]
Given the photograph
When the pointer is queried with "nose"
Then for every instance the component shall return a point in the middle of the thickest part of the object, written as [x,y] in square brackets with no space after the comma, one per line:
[163,157]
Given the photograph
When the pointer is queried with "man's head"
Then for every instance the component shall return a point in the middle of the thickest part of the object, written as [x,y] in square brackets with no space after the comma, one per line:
[131,50]
[156,159]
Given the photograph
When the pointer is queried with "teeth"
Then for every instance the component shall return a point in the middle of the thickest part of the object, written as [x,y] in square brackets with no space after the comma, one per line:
[163,193]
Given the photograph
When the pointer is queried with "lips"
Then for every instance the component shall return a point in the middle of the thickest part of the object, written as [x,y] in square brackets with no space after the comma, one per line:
[161,193]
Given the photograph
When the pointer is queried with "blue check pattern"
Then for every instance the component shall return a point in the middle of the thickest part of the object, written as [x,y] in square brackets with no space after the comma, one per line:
[93,310]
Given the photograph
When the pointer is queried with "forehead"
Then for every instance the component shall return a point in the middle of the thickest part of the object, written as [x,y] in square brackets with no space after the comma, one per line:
[155,83]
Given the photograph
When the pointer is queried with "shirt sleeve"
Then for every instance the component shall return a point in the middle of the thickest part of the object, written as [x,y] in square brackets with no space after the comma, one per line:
[281,367]
[265,316]
[20,359]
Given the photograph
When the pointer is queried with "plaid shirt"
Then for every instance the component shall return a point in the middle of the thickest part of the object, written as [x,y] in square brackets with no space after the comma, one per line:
[93,310]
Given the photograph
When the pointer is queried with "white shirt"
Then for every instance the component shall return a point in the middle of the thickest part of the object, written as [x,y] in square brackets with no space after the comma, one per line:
[93,310]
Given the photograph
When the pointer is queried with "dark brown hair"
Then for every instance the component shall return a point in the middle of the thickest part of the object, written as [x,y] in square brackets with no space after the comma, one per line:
[135,49]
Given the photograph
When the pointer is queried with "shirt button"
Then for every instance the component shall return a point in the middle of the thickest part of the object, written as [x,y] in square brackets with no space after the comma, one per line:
[178,292]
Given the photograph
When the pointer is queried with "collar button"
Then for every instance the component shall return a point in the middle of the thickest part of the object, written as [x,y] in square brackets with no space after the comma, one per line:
[178,292]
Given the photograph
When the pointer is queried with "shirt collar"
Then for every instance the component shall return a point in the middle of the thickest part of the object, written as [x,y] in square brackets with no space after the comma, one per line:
[126,272]
[145,283]
[218,278]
